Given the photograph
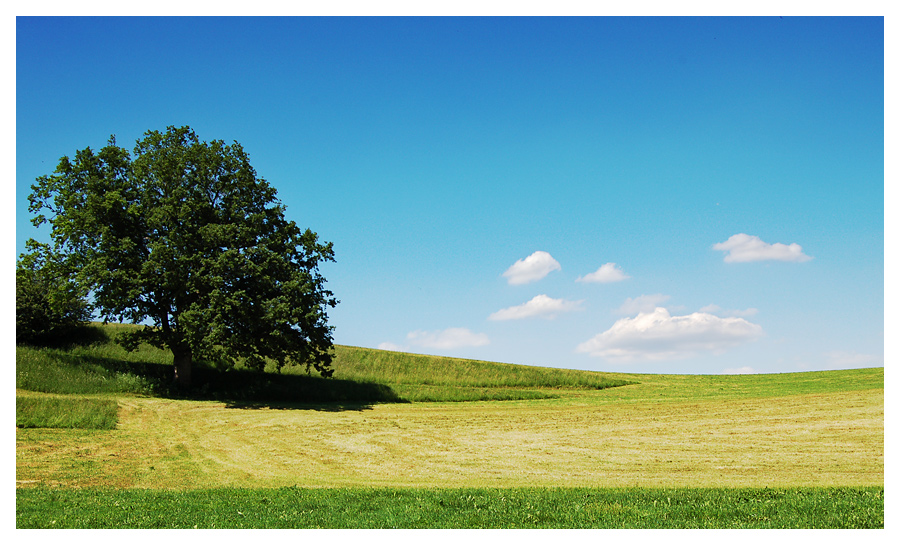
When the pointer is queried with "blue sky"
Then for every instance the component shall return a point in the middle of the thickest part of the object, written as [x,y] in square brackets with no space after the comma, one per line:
[654,195]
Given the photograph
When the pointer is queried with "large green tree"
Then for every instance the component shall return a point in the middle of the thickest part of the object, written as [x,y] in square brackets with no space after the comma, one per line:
[184,234]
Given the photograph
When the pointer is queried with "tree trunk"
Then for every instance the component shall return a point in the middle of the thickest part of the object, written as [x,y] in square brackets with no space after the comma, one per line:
[183,360]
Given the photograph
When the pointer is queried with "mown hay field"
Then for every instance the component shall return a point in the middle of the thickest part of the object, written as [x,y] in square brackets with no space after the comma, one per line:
[649,434]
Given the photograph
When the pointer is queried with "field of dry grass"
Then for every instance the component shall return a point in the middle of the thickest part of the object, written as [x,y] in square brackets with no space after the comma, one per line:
[666,431]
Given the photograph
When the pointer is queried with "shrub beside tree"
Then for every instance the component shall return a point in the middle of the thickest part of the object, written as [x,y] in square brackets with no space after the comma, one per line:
[49,307]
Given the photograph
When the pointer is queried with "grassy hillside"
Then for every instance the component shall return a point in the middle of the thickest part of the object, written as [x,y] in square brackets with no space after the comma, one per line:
[362,375]
[368,364]
[417,377]
[365,376]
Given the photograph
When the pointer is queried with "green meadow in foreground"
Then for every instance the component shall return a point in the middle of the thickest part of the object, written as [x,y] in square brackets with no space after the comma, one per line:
[103,440]
[460,508]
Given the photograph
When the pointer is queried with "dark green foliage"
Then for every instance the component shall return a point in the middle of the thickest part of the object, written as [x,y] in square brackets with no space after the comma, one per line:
[66,412]
[839,507]
[49,307]
[184,234]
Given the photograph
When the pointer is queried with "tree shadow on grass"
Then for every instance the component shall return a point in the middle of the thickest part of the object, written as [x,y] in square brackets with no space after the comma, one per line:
[237,388]
[73,336]
[288,406]
[245,389]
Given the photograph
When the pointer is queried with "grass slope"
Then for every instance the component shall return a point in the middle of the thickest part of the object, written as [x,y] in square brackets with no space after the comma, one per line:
[418,377]
[361,376]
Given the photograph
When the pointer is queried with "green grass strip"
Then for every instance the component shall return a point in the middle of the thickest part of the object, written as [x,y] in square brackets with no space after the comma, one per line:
[425,393]
[557,508]
[66,412]
[365,364]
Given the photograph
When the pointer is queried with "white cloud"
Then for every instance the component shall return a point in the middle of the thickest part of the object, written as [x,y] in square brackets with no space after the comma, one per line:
[454,337]
[659,336]
[541,305]
[717,310]
[842,359]
[740,371]
[644,303]
[743,248]
[608,272]
[391,346]
[531,269]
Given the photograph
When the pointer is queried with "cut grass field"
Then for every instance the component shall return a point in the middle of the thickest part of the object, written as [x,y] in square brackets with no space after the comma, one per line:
[802,434]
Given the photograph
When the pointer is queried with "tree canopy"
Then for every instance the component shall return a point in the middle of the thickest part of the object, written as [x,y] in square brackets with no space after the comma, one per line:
[183,234]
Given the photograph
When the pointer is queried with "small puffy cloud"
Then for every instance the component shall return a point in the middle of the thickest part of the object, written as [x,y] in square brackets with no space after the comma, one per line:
[454,337]
[717,310]
[658,335]
[531,269]
[391,346]
[608,272]
[743,248]
[644,303]
[740,371]
[541,305]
